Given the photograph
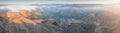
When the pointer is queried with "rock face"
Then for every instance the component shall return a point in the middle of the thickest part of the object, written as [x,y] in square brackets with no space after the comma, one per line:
[63,21]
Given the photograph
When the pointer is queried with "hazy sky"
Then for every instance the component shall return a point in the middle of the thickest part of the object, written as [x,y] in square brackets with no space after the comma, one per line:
[57,1]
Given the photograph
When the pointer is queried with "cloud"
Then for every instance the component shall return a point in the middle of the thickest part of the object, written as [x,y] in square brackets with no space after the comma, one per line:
[15,8]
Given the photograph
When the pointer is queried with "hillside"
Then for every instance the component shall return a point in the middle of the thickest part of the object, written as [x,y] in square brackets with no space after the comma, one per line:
[60,19]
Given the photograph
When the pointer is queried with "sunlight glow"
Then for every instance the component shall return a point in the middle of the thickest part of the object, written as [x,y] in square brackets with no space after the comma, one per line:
[15,8]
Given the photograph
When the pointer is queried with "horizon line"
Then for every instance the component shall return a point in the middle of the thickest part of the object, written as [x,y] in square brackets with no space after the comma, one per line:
[64,2]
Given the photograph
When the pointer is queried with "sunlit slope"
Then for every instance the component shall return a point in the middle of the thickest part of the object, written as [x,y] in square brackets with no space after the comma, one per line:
[23,16]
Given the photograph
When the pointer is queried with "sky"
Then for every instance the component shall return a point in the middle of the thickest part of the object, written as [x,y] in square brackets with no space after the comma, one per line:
[58,1]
